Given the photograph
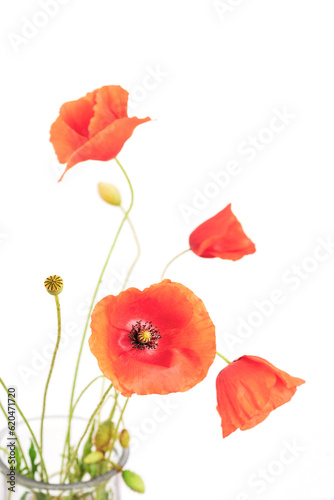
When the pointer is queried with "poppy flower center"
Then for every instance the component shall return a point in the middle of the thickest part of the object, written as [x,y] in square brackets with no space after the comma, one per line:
[144,335]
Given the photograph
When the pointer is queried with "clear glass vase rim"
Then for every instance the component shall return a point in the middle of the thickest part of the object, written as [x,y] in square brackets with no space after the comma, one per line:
[92,483]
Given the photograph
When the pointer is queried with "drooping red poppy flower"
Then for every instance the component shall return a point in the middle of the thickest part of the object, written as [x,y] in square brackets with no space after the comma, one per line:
[221,236]
[156,341]
[94,127]
[249,389]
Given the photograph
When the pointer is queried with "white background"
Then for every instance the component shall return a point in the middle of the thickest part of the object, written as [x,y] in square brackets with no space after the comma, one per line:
[222,76]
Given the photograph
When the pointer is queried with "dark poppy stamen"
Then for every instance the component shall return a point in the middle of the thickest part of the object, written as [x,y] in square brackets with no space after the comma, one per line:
[144,335]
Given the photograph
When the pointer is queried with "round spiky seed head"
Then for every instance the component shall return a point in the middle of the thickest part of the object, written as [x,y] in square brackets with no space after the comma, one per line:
[54,284]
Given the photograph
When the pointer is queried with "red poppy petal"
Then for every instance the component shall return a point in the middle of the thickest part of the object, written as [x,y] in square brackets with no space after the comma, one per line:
[111,104]
[106,144]
[78,114]
[184,352]
[249,389]
[288,379]
[221,236]
[65,140]
[182,371]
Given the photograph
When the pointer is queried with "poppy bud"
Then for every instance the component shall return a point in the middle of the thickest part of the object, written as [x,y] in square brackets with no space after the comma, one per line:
[104,434]
[109,193]
[124,438]
[133,481]
[54,285]
[93,457]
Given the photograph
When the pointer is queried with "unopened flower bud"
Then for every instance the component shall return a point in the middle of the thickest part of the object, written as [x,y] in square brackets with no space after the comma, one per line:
[133,481]
[54,285]
[104,434]
[109,193]
[93,458]
[124,438]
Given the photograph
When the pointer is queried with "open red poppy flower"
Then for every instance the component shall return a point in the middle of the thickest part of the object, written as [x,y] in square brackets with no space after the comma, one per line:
[249,389]
[221,236]
[156,341]
[94,127]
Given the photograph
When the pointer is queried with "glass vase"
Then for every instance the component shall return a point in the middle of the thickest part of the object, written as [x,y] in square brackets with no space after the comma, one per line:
[104,487]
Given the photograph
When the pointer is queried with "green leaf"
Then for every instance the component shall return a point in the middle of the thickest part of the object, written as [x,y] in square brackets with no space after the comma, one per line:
[133,481]
[24,496]
[18,460]
[33,456]
[89,443]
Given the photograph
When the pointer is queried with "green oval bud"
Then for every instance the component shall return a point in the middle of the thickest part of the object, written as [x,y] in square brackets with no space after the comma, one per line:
[93,457]
[124,438]
[109,193]
[133,481]
[104,434]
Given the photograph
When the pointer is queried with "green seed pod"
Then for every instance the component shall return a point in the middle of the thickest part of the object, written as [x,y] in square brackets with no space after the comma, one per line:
[54,284]
[104,434]
[93,457]
[109,193]
[133,481]
[124,438]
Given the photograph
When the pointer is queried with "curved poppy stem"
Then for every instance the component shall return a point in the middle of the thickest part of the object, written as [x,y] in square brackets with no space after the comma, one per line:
[97,409]
[171,261]
[68,436]
[17,439]
[51,370]
[223,357]
[117,427]
[30,430]
[138,251]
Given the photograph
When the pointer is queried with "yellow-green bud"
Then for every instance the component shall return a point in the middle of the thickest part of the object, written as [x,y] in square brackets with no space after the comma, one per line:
[104,434]
[109,193]
[54,284]
[124,438]
[94,457]
[133,481]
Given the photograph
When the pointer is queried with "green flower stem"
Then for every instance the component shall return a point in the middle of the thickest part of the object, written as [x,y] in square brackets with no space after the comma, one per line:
[223,357]
[85,389]
[117,427]
[138,252]
[51,370]
[17,439]
[171,261]
[102,392]
[97,409]
[116,466]
[111,416]
[30,430]
[68,436]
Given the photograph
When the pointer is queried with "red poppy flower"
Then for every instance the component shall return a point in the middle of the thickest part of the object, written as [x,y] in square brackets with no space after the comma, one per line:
[156,341]
[94,127]
[221,236]
[249,389]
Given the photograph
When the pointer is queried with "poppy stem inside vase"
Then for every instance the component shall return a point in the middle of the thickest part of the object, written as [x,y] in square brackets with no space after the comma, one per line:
[117,427]
[17,439]
[29,428]
[171,261]
[96,411]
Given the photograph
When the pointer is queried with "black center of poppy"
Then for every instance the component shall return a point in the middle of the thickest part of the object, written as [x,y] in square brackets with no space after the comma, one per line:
[144,335]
